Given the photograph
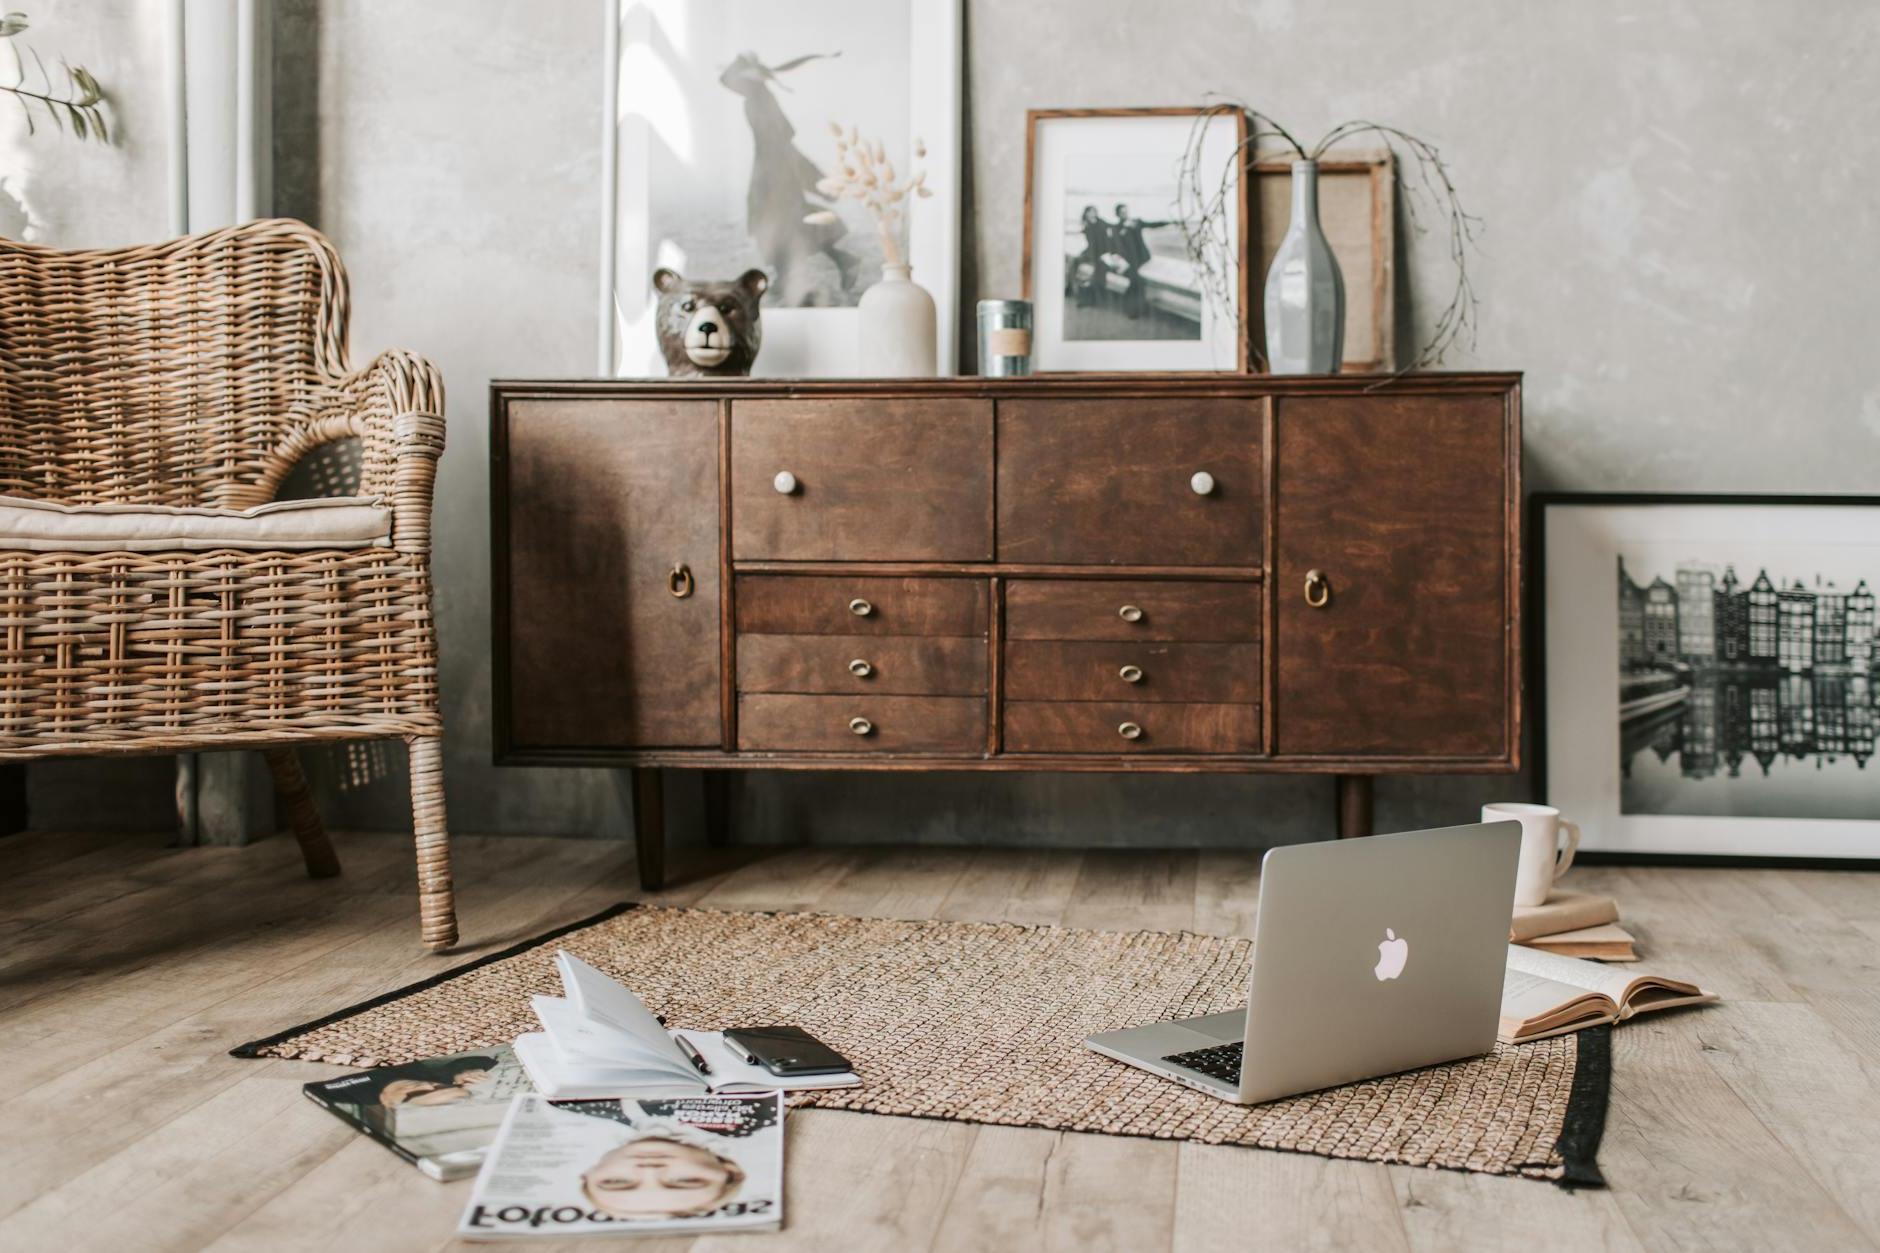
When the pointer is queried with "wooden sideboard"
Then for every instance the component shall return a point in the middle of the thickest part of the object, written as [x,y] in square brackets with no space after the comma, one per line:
[1076,572]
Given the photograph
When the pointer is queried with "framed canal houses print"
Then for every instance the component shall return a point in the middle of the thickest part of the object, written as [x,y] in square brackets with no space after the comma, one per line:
[1708,672]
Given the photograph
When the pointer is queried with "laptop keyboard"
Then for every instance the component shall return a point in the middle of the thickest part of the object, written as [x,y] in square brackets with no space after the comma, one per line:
[1221,1061]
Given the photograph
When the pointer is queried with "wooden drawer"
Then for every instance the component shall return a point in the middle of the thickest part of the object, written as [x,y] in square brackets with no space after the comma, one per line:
[1110,482]
[1100,609]
[892,724]
[816,604]
[1071,670]
[875,480]
[1098,726]
[891,665]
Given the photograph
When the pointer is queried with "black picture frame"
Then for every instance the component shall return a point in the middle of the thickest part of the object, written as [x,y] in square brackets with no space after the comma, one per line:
[1535,607]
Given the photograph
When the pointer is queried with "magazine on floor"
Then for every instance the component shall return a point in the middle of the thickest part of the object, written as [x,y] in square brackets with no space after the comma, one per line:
[440,1114]
[600,1040]
[692,1164]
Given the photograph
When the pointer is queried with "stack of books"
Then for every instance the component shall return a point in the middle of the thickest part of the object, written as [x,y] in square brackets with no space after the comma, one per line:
[1574,924]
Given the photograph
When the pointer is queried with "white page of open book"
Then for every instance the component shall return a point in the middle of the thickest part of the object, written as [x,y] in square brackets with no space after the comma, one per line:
[1526,996]
[608,1002]
[1575,972]
[584,1041]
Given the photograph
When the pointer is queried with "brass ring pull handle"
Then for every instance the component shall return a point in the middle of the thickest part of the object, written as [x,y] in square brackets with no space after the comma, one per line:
[1130,731]
[1130,674]
[860,669]
[860,608]
[679,582]
[1130,613]
[1318,589]
[861,726]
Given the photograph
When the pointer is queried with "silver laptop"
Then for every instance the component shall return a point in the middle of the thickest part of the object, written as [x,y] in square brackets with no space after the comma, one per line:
[1370,957]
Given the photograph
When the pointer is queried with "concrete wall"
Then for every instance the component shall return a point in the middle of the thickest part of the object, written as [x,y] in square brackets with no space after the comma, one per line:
[1679,213]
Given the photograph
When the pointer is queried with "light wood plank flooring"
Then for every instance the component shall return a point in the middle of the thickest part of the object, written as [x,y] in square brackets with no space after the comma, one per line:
[129,968]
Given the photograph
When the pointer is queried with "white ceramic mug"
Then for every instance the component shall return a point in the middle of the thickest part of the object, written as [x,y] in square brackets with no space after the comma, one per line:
[1543,860]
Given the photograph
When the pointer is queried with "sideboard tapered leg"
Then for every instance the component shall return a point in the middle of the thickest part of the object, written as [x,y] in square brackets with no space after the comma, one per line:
[1354,805]
[649,827]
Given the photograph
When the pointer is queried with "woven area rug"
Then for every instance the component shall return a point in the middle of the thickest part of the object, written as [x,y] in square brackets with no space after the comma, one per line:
[984,1022]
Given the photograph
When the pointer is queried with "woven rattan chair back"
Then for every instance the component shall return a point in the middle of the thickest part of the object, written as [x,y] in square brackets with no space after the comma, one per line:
[198,372]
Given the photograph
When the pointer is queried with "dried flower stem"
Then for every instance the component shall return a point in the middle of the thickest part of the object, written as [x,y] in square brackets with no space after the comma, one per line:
[866,174]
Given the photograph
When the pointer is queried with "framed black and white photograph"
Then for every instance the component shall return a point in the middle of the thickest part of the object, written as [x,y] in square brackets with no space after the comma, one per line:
[1709,672]
[725,122]
[1108,264]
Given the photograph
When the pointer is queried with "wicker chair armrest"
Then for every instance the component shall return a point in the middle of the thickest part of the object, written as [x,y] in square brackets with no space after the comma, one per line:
[395,407]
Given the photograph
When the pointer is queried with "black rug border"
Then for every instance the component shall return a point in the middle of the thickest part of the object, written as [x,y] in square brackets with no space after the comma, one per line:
[1587,1102]
[253,1048]
[1580,1134]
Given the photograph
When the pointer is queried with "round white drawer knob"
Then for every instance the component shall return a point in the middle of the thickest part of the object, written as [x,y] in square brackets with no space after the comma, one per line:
[861,726]
[1130,731]
[860,608]
[1130,613]
[1203,483]
[860,669]
[1130,674]
[785,483]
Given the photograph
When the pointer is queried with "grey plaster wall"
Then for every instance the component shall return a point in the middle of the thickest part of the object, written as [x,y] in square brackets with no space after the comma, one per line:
[1680,212]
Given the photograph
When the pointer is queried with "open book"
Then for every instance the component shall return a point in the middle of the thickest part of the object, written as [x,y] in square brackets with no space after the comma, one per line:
[600,1040]
[1545,994]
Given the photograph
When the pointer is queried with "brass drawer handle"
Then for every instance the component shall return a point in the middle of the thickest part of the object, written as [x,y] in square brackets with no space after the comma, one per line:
[860,608]
[861,726]
[1202,483]
[1318,589]
[785,483]
[860,669]
[1130,613]
[1130,731]
[679,582]
[1130,674]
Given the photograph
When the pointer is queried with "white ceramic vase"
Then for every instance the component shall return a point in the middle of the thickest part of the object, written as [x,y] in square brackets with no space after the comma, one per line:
[1305,292]
[898,327]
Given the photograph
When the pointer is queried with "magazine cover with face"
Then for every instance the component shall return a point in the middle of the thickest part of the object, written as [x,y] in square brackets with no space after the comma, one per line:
[439,1114]
[621,1167]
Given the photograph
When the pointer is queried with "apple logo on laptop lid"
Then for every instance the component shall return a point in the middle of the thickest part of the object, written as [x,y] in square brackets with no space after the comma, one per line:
[1392,954]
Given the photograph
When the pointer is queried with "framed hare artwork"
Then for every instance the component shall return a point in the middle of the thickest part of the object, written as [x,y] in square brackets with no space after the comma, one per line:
[724,126]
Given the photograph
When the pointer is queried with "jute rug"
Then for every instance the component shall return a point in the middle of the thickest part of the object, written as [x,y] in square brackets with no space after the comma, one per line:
[984,1022]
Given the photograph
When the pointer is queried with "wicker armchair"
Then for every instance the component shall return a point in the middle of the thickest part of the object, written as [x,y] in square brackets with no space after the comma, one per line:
[196,373]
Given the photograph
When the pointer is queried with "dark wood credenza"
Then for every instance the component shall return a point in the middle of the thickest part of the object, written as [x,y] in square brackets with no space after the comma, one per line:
[1117,572]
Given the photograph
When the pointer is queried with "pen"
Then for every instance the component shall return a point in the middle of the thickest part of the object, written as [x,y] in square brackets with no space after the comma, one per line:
[693,1055]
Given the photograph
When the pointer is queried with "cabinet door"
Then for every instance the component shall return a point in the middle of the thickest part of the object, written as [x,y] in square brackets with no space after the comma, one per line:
[1404,505]
[604,498]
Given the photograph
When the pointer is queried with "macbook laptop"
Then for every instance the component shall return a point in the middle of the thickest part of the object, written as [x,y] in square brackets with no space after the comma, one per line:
[1370,956]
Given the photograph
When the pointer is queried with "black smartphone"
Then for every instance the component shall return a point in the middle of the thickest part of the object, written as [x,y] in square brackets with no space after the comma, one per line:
[786,1051]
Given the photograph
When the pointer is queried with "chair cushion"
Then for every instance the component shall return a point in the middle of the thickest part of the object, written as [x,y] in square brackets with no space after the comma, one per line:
[328,522]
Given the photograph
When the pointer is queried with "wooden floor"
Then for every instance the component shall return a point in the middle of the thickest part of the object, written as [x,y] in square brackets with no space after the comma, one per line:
[129,968]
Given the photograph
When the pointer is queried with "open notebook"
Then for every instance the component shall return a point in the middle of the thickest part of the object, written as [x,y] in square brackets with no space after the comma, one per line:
[1545,994]
[599,1040]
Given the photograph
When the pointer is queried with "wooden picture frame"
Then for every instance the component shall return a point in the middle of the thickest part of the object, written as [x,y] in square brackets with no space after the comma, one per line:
[1587,735]
[1222,341]
[1358,210]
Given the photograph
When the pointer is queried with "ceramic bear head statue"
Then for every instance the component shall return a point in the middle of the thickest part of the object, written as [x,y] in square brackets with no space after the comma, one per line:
[709,329]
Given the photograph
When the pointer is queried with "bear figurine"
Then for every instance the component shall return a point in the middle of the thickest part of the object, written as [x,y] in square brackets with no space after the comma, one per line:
[709,329]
